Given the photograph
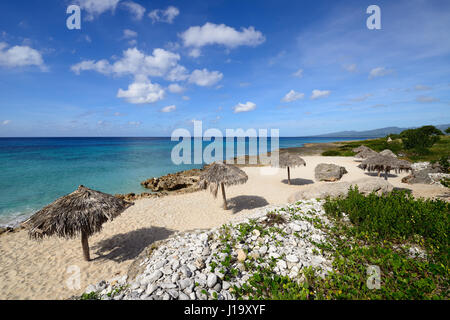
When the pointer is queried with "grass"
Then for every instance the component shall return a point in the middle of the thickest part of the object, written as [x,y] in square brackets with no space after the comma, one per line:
[436,152]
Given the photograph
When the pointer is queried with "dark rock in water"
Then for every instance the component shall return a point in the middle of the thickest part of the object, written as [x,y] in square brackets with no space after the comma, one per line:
[328,172]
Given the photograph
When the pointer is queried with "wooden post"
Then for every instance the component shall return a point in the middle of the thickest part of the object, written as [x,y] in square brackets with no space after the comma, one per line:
[289,175]
[85,245]
[385,175]
[224,196]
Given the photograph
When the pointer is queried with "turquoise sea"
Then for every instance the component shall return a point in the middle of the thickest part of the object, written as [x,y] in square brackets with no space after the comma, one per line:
[36,171]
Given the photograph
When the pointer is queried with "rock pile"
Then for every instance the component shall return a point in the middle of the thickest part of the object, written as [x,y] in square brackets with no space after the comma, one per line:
[202,265]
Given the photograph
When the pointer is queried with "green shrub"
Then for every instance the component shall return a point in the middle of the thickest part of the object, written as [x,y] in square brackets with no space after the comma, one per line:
[420,139]
[398,216]
[331,153]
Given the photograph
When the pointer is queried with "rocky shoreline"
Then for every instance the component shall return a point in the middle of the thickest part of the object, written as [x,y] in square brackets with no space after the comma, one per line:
[214,264]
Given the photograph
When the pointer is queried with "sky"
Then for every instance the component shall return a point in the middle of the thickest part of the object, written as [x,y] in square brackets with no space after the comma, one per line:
[146,68]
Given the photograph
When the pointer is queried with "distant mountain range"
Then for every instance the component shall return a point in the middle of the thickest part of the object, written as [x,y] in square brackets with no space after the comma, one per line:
[375,133]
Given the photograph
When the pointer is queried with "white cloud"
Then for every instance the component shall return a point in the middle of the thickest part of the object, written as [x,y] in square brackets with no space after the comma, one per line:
[210,34]
[379,72]
[350,67]
[186,98]
[95,8]
[6,122]
[205,78]
[176,88]
[167,15]
[195,53]
[244,107]
[179,73]
[101,66]
[169,109]
[136,9]
[317,94]
[142,91]
[298,73]
[136,63]
[128,34]
[293,96]
[425,99]
[20,56]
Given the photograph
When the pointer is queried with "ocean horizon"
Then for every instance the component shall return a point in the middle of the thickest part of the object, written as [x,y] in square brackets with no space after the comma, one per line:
[37,171]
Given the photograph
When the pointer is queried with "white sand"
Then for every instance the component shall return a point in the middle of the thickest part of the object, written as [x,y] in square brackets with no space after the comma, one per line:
[39,270]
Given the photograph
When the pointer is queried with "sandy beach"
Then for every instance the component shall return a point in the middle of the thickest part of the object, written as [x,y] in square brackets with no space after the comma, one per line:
[40,270]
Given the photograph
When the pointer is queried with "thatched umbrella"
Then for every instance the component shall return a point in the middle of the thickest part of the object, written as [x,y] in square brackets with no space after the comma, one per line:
[364,152]
[220,175]
[380,163]
[290,160]
[82,212]
[388,152]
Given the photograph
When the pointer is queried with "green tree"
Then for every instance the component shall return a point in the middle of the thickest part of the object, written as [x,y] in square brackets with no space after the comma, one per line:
[421,139]
[447,130]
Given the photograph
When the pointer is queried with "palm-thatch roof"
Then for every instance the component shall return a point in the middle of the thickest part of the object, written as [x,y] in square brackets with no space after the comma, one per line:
[82,211]
[381,163]
[221,173]
[290,160]
[388,152]
[365,152]
[360,149]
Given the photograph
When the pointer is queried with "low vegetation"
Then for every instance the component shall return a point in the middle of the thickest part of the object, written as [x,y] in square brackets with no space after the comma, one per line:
[422,144]
[405,238]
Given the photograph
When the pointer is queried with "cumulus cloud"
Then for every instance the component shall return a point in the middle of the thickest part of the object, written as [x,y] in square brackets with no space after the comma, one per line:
[142,91]
[167,15]
[128,34]
[195,53]
[169,109]
[293,96]
[94,8]
[205,78]
[210,34]
[379,72]
[134,62]
[176,88]
[20,56]
[135,9]
[317,94]
[298,73]
[244,107]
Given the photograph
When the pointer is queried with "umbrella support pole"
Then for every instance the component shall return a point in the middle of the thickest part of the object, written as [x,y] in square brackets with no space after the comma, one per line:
[386,175]
[224,196]
[289,175]
[85,245]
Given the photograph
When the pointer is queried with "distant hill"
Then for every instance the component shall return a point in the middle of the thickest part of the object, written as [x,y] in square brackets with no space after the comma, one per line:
[375,133]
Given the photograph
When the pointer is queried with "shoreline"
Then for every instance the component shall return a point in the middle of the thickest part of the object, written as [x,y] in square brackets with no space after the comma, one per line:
[312,149]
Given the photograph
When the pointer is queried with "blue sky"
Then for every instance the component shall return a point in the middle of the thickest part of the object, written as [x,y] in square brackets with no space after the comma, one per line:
[145,68]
